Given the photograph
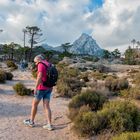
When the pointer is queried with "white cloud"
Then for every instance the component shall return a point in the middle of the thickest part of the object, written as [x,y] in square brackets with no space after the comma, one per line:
[113,25]
[122,18]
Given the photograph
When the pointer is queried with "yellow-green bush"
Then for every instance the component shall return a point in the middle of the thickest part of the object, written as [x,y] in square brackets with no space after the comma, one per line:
[68,84]
[2,76]
[98,75]
[21,90]
[133,93]
[92,98]
[116,116]
[128,136]
[69,72]
[121,116]
[125,93]
[137,79]
[11,64]
[73,112]
[69,87]
[84,76]
[61,66]
[88,98]
[86,124]
[123,84]
[116,84]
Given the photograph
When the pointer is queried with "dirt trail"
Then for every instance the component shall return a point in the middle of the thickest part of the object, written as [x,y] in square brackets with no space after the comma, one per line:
[14,109]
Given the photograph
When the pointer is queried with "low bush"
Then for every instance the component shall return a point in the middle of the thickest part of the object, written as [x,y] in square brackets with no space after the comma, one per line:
[116,116]
[69,87]
[133,93]
[73,112]
[68,72]
[98,75]
[84,76]
[125,93]
[136,79]
[61,66]
[9,75]
[2,76]
[21,89]
[86,124]
[128,136]
[89,98]
[123,84]
[121,116]
[116,84]
[11,64]
[102,68]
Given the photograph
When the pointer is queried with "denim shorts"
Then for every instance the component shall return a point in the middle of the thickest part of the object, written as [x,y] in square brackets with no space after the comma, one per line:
[43,94]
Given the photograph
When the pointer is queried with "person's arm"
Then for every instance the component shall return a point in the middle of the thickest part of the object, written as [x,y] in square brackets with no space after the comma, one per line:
[38,81]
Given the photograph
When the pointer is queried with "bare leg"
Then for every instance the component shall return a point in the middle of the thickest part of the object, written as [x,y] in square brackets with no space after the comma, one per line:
[34,108]
[47,109]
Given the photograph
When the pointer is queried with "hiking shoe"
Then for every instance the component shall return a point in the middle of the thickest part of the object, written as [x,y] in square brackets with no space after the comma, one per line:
[28,122]
[48,127]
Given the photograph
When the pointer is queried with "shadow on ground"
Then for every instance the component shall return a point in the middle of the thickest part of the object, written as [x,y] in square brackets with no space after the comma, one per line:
[13,109]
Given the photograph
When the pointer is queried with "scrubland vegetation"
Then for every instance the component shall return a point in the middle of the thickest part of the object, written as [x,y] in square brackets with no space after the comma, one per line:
[21,90]
[101,102]
[5,76]
[91,109]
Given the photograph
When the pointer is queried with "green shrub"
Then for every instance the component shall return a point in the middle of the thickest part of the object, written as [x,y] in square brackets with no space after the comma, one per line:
[68,72]
[9,76]
[116,84]
[133,93]
[98,75]
[68,84]
[115,116]
[108,82]
[74,112]
[21,89]
[125,93]
[123,84]
[91,98]
[84,76]
[128,136]
[61,66]
[121,116]
[137,79]
[2,76]
[86,124]
[11,64]
[69,87]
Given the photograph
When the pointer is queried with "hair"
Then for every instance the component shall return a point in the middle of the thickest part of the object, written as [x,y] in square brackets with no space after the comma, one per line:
[39,57]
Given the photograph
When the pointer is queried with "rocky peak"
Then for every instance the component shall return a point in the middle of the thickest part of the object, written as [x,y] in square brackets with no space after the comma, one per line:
[85,44]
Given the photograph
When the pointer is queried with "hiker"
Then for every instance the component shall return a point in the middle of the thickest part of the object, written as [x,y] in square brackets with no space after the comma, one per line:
[41,92]
[21,65]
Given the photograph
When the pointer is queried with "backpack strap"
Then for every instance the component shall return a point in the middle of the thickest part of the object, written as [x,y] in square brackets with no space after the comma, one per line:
[44,64]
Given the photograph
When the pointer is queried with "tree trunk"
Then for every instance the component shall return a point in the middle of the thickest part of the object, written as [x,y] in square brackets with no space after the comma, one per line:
[32,40]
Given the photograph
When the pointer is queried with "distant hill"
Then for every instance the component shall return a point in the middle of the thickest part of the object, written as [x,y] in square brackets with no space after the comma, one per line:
[85,44]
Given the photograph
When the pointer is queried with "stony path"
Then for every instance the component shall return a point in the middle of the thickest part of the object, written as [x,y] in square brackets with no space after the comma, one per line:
[14,109]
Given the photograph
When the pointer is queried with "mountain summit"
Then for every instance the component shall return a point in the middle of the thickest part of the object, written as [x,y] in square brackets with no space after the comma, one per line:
[85,44]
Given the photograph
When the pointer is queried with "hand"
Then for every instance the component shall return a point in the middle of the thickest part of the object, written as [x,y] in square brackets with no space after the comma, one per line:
[35,91]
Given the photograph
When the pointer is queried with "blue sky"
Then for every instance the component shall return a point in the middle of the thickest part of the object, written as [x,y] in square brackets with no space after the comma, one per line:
[112,23]
[94,4]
